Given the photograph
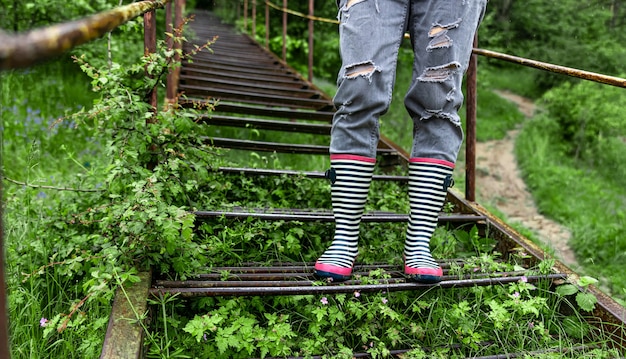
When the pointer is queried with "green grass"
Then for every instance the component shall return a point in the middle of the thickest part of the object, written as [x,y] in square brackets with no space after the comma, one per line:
[32,153]
[584,200]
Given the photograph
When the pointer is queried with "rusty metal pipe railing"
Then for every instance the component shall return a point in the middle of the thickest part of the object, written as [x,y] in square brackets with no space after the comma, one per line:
[23,50]
[563,70]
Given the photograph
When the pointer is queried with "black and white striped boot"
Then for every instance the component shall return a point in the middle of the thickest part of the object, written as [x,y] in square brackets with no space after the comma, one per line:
[351,177]
[429,180]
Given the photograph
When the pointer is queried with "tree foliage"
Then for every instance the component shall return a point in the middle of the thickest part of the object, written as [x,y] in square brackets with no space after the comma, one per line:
[25,15]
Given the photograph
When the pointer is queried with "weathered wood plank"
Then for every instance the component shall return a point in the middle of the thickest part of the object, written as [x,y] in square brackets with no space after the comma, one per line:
[124,337]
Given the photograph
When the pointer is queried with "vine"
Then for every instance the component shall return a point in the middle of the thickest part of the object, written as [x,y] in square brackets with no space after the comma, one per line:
[141,215]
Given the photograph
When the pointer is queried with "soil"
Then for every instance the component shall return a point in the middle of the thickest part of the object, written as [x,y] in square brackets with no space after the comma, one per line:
[499,183]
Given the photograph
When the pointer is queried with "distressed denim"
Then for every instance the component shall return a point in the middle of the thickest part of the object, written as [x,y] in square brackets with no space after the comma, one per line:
[371,31]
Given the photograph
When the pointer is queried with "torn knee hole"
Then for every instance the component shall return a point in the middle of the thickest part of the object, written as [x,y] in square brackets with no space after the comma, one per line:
[439,42]
[436,30]
[364,69]
[439,35]
[441,73]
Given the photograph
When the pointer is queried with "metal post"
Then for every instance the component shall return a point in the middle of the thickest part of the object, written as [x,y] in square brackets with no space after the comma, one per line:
[470,142]
[311,13]
[284,30]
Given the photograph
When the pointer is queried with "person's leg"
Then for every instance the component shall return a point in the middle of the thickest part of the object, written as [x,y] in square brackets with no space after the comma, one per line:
[442,33]
[370,33]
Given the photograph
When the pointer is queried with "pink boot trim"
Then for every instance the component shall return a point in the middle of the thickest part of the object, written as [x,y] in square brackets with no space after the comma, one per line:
[435,272]
[330,268]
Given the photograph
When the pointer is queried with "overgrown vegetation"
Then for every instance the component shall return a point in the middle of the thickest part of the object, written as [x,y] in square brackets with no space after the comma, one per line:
[94,197]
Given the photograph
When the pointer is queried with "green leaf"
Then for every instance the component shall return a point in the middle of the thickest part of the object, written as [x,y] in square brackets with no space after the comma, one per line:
[566,289]
[586,301]
[585,281]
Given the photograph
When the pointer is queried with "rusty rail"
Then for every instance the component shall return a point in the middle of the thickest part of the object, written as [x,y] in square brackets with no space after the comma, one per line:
[23,50]
[563,70]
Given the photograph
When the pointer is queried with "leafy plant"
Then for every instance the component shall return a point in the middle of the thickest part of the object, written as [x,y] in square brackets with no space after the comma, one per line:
[585,300]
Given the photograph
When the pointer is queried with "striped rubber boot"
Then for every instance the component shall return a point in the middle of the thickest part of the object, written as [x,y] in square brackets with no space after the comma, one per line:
[429,180]
[350,177]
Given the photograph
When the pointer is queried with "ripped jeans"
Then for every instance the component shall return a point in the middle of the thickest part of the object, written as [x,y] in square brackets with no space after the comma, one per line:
[371,31]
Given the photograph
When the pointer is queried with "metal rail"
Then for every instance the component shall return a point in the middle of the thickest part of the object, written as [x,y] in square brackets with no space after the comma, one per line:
[23,50]
[273,287]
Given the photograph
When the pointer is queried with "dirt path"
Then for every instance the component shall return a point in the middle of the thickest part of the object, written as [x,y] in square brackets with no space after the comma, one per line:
[499,183]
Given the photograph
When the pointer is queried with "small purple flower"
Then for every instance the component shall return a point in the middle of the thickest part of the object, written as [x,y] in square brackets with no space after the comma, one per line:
[324,300]
[384,300]
[516,295]
[43,322]
[531,325]
[205,337]
[524,279]
[357,294]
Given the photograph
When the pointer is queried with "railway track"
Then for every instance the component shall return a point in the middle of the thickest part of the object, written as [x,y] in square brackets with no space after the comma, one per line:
[256,90]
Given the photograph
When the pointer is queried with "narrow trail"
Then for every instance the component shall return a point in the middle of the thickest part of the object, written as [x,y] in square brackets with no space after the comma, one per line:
[499,183]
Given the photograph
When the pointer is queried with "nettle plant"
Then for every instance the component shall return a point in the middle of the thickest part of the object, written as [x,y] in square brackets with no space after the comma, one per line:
[154,163]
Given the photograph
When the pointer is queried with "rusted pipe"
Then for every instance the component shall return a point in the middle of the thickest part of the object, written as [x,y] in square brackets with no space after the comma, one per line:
[586,75]
[336,289]
[174,74]
[304,278]
[470,127]
[23,50]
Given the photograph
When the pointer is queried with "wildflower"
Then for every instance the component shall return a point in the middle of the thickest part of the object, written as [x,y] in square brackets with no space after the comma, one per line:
[43,322]
[205,337]
[476,269]
[531,325]
[357,294]
[524,279]
[516,295]
[324,300]
[384,300]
